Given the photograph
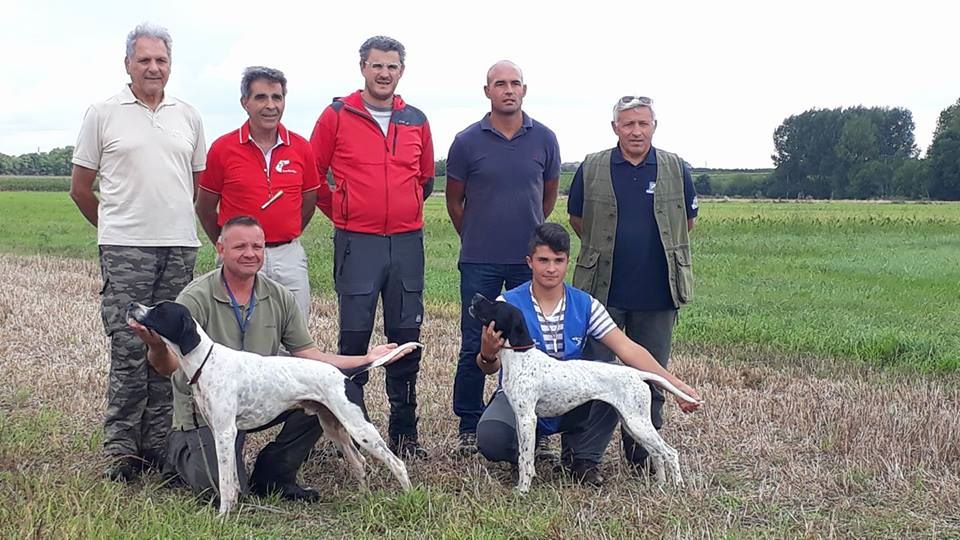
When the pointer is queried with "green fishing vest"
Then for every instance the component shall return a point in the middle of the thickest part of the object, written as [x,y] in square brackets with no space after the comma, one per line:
[595,262]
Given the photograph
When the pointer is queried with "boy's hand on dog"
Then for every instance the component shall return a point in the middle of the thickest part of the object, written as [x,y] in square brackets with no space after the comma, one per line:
[491,341]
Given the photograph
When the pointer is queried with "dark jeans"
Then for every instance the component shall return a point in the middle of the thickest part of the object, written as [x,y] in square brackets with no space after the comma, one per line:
[586,431]
[488,280]
[368,268]
[654,331]
[193,453]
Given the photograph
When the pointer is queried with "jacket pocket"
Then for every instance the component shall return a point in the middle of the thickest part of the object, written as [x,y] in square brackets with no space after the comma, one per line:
[684,275]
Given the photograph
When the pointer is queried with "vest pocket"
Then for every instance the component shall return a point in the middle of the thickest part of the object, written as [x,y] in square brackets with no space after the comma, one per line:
[684,277]
[585,273]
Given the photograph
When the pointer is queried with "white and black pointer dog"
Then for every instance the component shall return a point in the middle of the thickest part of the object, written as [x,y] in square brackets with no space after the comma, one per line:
[539,385]
[243,390]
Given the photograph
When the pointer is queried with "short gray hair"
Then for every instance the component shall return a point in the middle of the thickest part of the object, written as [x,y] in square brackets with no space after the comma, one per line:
[382,43]
[149,30]
[633,102]
[256,73]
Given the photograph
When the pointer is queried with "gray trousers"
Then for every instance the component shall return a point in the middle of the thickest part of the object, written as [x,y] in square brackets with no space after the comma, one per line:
[585,431]
[653,330]
[193,454]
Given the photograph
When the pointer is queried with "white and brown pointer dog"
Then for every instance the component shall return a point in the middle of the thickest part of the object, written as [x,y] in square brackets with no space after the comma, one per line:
[539,385]
[242,390]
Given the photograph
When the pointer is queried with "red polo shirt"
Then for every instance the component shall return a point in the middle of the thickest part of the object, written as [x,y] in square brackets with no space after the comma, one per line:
[238,172]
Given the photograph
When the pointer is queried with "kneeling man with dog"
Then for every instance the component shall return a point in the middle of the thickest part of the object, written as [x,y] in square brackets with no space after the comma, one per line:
[559,318]
[248,312]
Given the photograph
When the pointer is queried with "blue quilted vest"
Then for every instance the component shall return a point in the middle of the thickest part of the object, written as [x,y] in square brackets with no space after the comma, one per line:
[576,318]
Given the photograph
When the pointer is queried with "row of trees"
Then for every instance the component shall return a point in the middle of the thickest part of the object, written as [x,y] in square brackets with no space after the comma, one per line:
[862,153]
[56,162]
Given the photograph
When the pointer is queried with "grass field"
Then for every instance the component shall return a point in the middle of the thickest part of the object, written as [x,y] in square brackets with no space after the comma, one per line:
[824,339]
[868,282]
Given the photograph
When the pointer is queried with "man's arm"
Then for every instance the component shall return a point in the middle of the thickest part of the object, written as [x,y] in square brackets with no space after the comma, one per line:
[427,187]
[456,195]
[207,213]
[81,191]
[349,362]
[550,190]
[196,185]
[308,208]
[690,223]
[575,202]
[576,223]
[635,356]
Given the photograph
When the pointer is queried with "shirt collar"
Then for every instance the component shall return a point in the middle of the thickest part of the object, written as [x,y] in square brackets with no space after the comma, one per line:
[283,135]
[526,124]
[220,291]
[127,98]
[618,158]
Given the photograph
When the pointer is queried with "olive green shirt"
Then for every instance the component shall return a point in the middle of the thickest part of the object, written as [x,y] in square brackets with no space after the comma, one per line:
[276,322]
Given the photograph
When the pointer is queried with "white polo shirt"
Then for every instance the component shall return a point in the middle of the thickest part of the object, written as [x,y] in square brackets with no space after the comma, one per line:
[146,161]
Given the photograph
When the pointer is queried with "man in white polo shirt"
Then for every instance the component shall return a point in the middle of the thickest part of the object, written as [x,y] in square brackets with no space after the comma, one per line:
[148,148]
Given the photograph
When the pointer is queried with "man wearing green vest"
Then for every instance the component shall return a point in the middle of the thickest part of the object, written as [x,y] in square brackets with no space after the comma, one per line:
[633,206]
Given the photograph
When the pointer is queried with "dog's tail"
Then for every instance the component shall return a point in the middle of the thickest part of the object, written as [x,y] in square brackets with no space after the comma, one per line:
[389,356]
[665,384]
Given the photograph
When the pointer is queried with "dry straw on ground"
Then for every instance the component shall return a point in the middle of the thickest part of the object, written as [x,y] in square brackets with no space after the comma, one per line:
[801,446]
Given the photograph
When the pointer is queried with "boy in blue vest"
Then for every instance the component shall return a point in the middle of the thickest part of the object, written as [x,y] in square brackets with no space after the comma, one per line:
[560,318]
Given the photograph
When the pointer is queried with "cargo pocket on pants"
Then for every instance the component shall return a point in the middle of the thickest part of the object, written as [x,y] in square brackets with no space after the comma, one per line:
[411,308]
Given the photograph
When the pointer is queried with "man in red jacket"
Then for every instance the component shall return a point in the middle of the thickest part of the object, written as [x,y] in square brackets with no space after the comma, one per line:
[381,154]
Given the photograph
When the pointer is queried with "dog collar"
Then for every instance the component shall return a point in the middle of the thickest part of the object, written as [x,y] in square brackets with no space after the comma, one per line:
[520,348]
[196,374]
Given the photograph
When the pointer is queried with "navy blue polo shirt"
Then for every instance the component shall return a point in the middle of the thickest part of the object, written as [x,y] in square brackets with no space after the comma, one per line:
[504,187]
[639,279]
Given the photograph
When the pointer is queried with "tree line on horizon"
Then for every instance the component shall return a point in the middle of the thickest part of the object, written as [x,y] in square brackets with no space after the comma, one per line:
[842,153]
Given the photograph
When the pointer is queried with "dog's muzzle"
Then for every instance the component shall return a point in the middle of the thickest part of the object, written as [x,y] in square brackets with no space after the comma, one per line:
[137,311]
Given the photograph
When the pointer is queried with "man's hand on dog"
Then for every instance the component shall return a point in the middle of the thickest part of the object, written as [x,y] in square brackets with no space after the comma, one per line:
[148,336]
[686,406]
[381,350]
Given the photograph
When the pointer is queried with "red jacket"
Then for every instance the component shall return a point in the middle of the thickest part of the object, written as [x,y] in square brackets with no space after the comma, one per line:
[378,179]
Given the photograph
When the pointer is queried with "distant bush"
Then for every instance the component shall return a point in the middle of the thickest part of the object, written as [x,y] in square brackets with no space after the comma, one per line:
[34,183]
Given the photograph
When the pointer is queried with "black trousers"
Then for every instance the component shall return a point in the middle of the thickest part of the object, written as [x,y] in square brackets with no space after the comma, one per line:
[369,268]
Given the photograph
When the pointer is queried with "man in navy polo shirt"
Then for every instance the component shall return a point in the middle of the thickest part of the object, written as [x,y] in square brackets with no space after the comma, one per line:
[633,206]
[502,179]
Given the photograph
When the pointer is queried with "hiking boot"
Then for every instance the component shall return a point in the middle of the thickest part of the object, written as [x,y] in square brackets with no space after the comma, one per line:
[584,472]
[544,452]
[407,447]
[125,469]
[288,492]
[467,445]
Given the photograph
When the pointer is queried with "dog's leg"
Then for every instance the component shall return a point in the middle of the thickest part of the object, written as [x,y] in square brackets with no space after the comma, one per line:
[663,455]
[225,437]
[351,418]
[526,438]
[333,429]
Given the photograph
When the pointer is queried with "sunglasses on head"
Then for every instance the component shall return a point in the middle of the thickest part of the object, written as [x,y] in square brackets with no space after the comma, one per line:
[643,100]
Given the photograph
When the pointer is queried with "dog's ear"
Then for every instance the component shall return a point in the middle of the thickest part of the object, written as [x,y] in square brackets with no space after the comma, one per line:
[516,327]
[189,338]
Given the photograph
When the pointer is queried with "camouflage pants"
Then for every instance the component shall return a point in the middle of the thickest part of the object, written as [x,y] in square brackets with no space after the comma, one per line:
[139,400]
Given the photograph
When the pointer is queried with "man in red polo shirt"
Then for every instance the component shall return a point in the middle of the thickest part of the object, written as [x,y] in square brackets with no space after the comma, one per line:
[265,171]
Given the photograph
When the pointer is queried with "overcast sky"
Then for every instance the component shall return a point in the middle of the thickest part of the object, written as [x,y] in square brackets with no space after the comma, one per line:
[723,75]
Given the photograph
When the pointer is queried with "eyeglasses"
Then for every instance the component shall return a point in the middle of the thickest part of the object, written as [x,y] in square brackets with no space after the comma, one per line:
[630,100]
[380,66]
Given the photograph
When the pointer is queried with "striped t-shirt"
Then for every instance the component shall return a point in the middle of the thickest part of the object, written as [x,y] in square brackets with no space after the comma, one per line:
[551,325]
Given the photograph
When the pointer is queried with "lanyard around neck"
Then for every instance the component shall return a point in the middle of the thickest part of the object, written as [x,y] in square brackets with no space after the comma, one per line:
[242,321]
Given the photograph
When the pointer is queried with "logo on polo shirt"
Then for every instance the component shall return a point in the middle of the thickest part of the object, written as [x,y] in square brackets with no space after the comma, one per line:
[577,340]
[283,163]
